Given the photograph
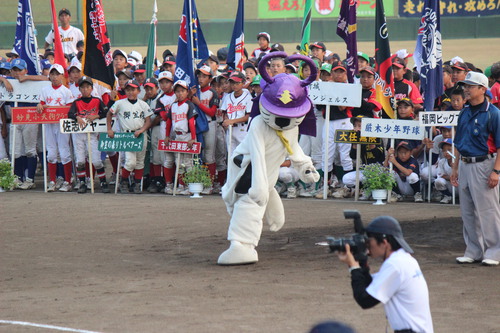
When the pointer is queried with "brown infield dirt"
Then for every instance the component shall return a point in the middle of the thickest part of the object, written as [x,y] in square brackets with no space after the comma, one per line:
[147,263]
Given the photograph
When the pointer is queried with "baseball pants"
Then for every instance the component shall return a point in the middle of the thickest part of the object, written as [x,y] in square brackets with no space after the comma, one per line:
[157,133]
[26,139]
[480,209]
[343,149]
[220,148]
[405,185]
[134,160]
[57,142]
[186,159]
[80,146]
[312,145]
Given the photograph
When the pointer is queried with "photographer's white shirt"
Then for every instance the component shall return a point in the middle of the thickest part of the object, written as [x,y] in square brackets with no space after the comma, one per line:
[401,287]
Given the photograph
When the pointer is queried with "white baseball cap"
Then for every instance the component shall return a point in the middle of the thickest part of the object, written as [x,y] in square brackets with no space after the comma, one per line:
[131,62]
[205,70]
[476,79]
[181,83]
[75,64]
[165,75]
[403,54]
[136,56]
[58,68]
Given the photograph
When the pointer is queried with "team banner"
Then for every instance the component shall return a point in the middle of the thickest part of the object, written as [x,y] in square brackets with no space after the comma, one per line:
[179,147]
[29,115]
[428,54]
[72,126]
[413,8]
[280,9]
[384,80]
[335,93]
[438,118]
[120,142]
[351,136]
[237,45]
[392,129]
[346,29]
[25,42]
[97,60]
[28,91]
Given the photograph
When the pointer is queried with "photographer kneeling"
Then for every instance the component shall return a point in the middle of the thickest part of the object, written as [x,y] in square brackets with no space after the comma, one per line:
[399,284]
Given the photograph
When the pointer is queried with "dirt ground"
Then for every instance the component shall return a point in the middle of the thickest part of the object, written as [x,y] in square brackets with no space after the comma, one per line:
[147,263]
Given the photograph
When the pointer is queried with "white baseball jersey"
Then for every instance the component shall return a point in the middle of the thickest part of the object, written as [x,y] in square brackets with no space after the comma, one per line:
[180,113]
[401,287]
[60,96]
[131,116]
[164,104]
[69,38]
[97,90]
[209,98]
[237,107]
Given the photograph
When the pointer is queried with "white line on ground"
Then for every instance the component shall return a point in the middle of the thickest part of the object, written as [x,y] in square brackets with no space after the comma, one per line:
[59,328]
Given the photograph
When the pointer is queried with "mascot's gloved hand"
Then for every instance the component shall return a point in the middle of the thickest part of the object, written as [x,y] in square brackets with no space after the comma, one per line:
[259,195]
[307,172]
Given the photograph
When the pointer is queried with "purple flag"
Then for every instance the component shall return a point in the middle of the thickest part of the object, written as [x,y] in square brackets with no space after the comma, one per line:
[346,29]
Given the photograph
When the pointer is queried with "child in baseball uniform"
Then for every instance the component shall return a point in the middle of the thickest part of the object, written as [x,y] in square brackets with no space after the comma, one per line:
[155,161]
[163,105]
[181,126]
[85,109]
[134,116]
[58,144]
[442,182]
[207,103]
[237,107]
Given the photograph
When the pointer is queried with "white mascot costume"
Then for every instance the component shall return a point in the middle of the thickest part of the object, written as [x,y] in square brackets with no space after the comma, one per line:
[253,168]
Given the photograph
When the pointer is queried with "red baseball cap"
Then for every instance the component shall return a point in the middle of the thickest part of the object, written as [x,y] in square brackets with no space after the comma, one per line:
[398,62]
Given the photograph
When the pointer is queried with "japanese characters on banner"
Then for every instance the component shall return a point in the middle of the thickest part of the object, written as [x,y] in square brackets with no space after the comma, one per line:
[438,118]
[273,9]
[72,126]
[179,147]
[26,92]
[333,93]
[121,142]
[28,115]
[392,128]
[351,136]
[413,8]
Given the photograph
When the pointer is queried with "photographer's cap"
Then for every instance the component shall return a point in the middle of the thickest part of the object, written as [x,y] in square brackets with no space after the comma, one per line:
[388,225]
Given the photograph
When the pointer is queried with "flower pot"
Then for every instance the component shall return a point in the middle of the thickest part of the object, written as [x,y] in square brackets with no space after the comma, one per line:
[379,195]
[196,189]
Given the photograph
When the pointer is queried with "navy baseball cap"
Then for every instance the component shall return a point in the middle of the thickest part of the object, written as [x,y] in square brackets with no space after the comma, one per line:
[45,64]
[140,68]
[331,327]
[85,79]
[132,83]
[18,63]
[64,11]
[388,225]
[318,45]
[151,82]
[125,72]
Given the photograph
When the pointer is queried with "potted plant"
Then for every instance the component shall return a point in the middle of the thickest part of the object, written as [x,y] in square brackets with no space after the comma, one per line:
[378,180]
[197,177]
[7,178]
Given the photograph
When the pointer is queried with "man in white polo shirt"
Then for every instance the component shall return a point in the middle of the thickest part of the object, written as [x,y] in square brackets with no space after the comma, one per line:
[399,284]
[69,34]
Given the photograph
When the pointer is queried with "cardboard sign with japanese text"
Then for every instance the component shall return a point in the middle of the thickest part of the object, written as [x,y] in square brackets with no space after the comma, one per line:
[72,126]
[179,147]
[351,136]
[28,115]
[438,118]
[334,93]
[121,142]
[26,92]
[392,128]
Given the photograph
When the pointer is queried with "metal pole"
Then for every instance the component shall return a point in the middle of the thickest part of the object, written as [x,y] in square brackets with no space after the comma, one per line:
[176,178]
[91,165]
[118,169]
[358,157]
[44,147]
[453,194]
[326,138]
[429,184]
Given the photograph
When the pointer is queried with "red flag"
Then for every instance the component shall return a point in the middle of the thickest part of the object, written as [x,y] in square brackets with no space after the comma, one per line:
[58,49]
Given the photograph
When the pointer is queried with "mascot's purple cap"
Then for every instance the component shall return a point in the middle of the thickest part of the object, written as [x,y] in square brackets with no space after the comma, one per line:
[285,95]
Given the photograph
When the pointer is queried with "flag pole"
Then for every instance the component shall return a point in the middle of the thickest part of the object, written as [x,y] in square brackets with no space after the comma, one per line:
[190,22]
[32,27]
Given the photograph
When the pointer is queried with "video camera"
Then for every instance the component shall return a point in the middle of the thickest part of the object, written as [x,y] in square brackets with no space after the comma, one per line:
[357,242]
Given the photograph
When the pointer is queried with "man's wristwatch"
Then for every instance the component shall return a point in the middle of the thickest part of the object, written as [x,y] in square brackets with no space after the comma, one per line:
[496,171]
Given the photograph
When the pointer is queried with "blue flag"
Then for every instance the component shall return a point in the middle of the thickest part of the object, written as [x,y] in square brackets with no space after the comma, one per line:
[237,45]
[428,54]
[192,51]
[25,42]
[192,48]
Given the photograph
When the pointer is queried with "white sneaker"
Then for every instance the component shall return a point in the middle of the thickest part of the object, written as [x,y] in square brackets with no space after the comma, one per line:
[418,197]
[305,192]
[446,199]
[27,185]
[17,183]
[51,187]
[395,197]
[291,192]
[182,190]
[335,182]
[344,192]
[112,179]
[207,190]
[169,189]
[490,262]
[66,187]
[465,260]
[59,182]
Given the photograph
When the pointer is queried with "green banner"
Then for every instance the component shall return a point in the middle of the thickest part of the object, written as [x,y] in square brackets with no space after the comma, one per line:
[121,142]
[280,9]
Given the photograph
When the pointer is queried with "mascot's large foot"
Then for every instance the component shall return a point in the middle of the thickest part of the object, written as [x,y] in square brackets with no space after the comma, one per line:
[238,254]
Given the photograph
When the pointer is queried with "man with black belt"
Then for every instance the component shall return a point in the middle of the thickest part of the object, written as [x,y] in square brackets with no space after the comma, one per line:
[399,284]
[476,172]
